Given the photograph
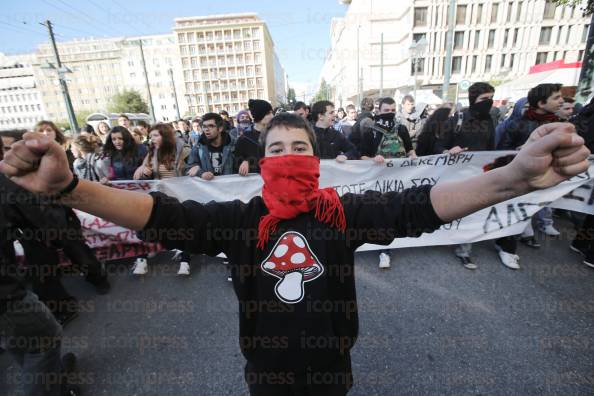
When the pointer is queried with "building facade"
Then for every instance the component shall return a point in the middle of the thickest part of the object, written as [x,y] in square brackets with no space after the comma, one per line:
[493,40]
[21,104]
[226,60]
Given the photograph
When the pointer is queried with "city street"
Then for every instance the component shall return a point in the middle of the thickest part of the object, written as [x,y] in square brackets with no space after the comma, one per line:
[427,326]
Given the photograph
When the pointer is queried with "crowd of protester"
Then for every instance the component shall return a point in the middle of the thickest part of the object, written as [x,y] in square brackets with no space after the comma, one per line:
[214,145]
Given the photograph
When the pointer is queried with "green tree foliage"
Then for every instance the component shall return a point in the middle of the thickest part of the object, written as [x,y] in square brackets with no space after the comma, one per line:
[128,101]
[586,6]
[323,92]
[291,97]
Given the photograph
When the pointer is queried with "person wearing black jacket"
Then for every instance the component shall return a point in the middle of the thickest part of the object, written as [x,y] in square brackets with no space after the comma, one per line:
[248,151]
[331,144]
[367,105]
[29,331]
[292,249]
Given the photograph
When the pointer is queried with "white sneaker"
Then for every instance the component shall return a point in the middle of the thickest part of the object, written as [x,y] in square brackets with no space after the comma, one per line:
[140,266]
[550,230]
[184,268]
[509,260]
[384,260]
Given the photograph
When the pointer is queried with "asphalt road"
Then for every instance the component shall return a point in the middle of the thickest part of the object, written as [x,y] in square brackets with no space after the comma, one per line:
[427,326]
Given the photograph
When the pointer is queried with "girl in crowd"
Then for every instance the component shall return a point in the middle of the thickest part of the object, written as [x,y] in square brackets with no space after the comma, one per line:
[433,129]
[122,154]
[102,130]
[166,159]
[50,130]
[88,164]
[293,247]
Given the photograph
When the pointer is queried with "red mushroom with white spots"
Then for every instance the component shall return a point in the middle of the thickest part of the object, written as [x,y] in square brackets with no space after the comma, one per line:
[292,261]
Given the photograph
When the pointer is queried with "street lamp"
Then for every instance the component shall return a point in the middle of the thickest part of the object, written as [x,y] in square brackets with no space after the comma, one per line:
[417,50]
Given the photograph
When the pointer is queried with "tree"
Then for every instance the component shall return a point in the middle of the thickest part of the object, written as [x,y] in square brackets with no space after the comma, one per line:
[128,101]
[587,9]
[291,96]
[323,92]
[81,117]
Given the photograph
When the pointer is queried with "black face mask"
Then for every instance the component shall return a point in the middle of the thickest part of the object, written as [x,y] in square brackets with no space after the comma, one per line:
[385,121]
[482,108]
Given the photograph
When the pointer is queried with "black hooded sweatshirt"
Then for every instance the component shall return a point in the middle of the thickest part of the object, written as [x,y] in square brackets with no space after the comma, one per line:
[317,329]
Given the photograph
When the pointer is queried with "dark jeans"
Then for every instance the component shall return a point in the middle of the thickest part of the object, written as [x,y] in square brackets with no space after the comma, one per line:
[30,333]
[334,381]
[508,244]
[584,238]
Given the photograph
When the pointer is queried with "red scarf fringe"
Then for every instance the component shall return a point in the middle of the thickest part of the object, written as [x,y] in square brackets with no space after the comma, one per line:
[532,115]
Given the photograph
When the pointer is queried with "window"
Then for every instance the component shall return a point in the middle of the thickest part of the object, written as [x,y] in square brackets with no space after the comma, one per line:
[569,29]
[516,32]
[479,13]
[488,61]
[420,16]
[512,61]
[505,37]
[420,63]
[541,58]
[477,39]
[494,12]
[460,15]
[585,33]
[418,36]
[581,56]
[549,10]
[491,41]
[503,58]
[510,7]
[545,35]
[457,64]
[458,40]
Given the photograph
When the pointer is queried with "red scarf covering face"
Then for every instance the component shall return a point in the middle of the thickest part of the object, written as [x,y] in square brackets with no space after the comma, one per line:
[532,115]
[291,187]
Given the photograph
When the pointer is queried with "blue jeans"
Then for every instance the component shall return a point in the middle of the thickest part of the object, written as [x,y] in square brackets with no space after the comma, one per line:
[544,217]
[31,334]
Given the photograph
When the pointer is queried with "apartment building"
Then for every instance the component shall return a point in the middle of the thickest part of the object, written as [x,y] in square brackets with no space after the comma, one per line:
[494,40]
[20,99]
[227,60]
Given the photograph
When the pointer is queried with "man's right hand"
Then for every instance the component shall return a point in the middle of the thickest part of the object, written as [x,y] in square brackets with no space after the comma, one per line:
[207,175]
[193,171]
[38,164]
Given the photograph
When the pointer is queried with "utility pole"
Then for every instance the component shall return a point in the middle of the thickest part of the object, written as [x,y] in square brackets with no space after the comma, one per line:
[170,71]
[381,94]
[585,83]
[146,80]
[358,66]
[449,48]
[62,79]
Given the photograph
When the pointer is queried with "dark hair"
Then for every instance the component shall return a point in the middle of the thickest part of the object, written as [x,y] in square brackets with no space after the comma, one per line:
[568,99]
[541,93]
[124,116]
[168,149]
[299,106]
[386,101]
[367,104]
[477,89]
[407,98]
[436,121]
[320,108]
[88,129]
[16,134]
[289,121]
[129,150]
[60,138]
[143,123]
[224,112]
[87,143]
[214,116]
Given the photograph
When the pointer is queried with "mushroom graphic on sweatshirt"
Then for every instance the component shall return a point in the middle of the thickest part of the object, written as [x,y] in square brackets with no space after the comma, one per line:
[293,263]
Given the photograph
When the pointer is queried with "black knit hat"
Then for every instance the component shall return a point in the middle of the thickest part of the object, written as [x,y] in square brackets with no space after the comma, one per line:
[259,108]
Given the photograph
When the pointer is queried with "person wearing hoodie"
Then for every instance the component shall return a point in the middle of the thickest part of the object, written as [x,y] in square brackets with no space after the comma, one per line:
[331,143]
[519,107]
[244,124]
[247,148]
[292,249]
[367,105]
[544,101]
[413,118]
[213,155]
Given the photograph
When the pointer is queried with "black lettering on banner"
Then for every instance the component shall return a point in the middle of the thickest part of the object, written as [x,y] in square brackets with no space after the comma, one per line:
[492,217]
[453,225]
[522,205]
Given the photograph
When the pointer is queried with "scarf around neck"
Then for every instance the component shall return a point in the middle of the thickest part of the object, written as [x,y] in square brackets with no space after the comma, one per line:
[291,187]
[532,115]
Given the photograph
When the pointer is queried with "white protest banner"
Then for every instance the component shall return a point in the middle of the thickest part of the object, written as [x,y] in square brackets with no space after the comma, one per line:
[507,218]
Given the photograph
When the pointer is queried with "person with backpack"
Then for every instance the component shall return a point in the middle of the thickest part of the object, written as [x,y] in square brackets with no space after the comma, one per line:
[293,247]
[383,139]
[89,164]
